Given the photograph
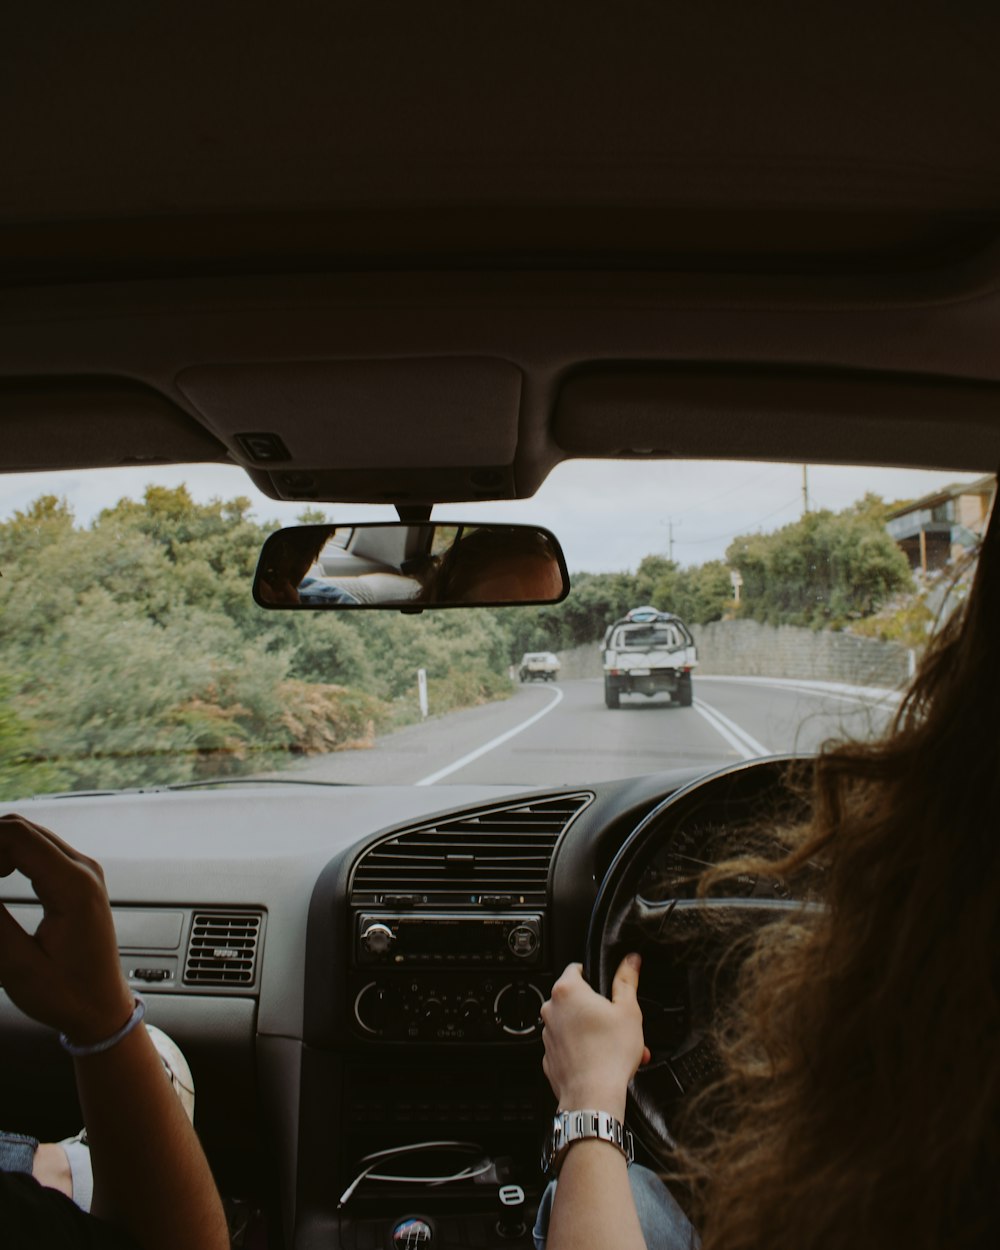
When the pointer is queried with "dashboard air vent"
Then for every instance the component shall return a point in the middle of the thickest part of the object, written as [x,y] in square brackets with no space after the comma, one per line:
[494,857]
[223,948]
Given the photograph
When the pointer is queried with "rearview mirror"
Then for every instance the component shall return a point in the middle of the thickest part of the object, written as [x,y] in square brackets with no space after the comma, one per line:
[393,564]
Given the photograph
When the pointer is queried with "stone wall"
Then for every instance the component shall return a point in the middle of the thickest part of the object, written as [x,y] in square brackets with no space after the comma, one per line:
[582,661]
[750,649]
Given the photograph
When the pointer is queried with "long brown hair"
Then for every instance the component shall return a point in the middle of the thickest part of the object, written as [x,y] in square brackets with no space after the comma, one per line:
[861,1106]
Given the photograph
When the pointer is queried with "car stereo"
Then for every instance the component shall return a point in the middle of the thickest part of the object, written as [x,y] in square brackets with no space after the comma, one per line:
[443,939]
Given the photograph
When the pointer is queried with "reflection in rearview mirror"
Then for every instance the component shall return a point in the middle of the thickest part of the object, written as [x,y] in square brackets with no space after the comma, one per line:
[398,565]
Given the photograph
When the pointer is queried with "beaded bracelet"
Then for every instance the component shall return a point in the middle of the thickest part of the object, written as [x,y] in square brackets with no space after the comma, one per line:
[97,1048]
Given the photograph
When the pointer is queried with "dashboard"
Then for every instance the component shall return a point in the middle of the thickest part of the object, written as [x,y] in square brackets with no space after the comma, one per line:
[349,970]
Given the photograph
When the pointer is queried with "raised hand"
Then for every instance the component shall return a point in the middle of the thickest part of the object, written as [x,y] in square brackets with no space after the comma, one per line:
[67,974]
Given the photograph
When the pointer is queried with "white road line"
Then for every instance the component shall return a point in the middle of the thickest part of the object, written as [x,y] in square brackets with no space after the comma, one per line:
[749,748]
[833,689]
[493,742]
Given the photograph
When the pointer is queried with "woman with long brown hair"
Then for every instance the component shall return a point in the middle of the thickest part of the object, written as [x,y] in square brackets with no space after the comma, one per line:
[860,1109]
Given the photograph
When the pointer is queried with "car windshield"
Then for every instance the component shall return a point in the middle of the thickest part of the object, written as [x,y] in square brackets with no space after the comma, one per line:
[134,656]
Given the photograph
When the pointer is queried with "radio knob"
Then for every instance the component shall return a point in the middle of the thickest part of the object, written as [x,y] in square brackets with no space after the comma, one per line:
[471,1013]
[375,1008]
[377,938]
[516,1008]
[432,1010]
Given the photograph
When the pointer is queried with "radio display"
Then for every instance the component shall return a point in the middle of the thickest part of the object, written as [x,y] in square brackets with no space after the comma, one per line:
[450,937]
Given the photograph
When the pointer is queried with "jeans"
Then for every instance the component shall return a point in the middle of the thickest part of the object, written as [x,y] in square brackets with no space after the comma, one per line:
[664,1225]
[17,1152]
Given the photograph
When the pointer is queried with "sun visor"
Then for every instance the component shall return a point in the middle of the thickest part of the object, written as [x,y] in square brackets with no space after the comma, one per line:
[412,429]
[815,416]
[93,422]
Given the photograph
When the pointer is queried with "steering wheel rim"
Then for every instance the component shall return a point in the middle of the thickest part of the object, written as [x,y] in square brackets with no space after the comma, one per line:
[698,930]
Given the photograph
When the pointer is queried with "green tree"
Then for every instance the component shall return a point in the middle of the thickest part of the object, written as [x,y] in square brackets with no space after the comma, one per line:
[708,593]
[46,521]
[313,516]
[595,600]
[822,570]
[697,595]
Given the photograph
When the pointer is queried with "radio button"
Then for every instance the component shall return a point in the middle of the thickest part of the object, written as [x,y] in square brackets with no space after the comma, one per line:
[523,941]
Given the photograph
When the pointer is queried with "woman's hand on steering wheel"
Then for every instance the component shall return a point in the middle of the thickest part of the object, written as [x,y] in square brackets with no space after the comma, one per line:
[593,1046]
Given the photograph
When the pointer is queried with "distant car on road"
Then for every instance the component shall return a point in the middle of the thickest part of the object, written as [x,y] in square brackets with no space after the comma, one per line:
[648,652]
[539,666]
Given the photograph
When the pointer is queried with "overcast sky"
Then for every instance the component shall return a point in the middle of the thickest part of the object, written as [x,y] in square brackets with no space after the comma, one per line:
[608,515]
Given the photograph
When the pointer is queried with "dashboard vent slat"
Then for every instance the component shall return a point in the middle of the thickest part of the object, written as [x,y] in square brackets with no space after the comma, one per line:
[223,948]
[504,850]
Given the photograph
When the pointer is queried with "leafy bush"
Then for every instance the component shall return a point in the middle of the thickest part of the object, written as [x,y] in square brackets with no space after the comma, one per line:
[132,652]
[22,771]
[320,718]
[466,687]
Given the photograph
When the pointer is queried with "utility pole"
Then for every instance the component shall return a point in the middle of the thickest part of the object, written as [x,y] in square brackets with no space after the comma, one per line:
[805,489]
[668,524]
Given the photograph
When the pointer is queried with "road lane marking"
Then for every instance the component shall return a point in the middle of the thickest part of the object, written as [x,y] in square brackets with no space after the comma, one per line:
[832,689]
[746,746]
[493,742]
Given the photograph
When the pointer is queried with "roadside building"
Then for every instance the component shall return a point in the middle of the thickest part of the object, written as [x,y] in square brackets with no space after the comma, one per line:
[937,528]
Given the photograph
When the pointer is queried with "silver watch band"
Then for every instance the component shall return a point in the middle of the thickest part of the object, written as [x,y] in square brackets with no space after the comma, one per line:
[573,1126]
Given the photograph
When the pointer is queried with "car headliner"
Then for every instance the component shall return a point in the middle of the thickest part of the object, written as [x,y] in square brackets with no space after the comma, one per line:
[432,251]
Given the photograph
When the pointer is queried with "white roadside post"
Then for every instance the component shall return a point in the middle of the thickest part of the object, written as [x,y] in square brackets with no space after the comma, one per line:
[422,691]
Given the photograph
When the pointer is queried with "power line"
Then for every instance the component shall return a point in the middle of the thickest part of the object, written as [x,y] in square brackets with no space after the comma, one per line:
[694,542]
[725,494]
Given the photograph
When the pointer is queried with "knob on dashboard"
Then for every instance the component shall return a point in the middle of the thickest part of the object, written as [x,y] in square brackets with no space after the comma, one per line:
[516,1008]
[376,1008]
[377,938]
[471,1010]
[472,1017]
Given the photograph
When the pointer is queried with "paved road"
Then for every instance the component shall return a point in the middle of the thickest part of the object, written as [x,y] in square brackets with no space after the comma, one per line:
[562,733]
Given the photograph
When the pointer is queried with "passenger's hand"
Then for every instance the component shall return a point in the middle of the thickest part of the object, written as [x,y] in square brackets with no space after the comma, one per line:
[593,1047]
[68,974]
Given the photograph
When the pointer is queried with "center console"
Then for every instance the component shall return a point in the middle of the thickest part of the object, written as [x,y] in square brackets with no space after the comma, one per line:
[428,1031]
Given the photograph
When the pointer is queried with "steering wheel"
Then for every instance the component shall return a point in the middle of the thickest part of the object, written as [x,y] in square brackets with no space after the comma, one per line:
[647,903]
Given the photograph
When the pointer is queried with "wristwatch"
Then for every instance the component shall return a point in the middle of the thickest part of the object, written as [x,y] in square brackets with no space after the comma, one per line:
[573,1126]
